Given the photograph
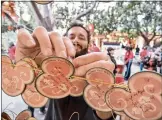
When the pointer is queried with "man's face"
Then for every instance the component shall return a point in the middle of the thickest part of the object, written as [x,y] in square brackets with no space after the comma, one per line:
[112,52]
[79,38]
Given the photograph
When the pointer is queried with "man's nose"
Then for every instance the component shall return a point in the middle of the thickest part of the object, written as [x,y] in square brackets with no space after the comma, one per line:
[75,40]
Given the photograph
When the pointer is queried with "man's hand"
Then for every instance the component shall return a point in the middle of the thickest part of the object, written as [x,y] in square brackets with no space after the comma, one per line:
[95,59]
[41,44]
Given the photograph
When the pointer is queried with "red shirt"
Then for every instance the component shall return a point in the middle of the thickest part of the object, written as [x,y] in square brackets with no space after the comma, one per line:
[143,54]
[11,52]
[128,56]
[94,49]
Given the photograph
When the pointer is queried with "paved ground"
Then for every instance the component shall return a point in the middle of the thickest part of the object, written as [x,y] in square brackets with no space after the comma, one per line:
[18,104]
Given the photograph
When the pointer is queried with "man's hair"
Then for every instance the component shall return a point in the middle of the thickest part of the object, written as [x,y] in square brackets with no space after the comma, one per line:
[78,24]
[129,48]
[145,48]
[11,44]
[109,49]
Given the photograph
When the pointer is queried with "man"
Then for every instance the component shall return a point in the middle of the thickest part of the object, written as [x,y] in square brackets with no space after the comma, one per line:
[143,55]
[161,62]
[128,62]
[11,51]
[137,50]
[110,52]
[152,64]
[41,111]
[93,48]
[43,44]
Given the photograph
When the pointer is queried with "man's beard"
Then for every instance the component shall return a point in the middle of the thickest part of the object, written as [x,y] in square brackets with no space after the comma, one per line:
[82,52]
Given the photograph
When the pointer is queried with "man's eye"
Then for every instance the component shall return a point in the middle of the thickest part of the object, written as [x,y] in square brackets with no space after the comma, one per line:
[71,37]
[81,38]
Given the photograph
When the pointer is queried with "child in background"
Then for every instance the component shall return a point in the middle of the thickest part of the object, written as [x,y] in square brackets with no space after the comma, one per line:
[11,51]
[128,62]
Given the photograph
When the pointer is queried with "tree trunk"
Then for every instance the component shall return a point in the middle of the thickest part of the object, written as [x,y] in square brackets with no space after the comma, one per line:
[37,14]
[45,19]
[147,42]
[146,38]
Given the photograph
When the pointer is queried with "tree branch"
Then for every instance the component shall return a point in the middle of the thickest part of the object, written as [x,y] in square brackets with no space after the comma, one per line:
[37,12]
[108,30]
[96,7]
[9,17]
[45,22]
[86,12]
[143,35]
[155,38]
[15,24]
[154,34]
[47,18]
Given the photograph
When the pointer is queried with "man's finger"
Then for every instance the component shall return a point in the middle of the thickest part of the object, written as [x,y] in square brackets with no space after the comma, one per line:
[81,71]
[58,44]
[41,34]
[18,55]
[25,39]
[90,58]
[69,47]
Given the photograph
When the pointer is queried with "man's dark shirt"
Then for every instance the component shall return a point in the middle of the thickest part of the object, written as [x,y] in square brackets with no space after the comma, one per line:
[62,109]
[137,50]
[114,61]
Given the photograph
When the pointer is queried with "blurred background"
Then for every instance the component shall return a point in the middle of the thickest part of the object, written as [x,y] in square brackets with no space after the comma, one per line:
[112,24]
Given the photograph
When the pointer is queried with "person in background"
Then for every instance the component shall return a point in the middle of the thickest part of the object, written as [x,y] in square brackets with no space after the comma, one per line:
[151,53]
[143,55]
[42,110]
[158,57]
[110,52]
[128,62]
[90,48]
[161,62]
[11,51]
[137,50]
[123,43]
[93,48]
[152,64]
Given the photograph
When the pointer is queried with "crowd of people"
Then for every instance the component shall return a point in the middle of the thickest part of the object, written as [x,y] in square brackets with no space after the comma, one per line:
[151,59]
